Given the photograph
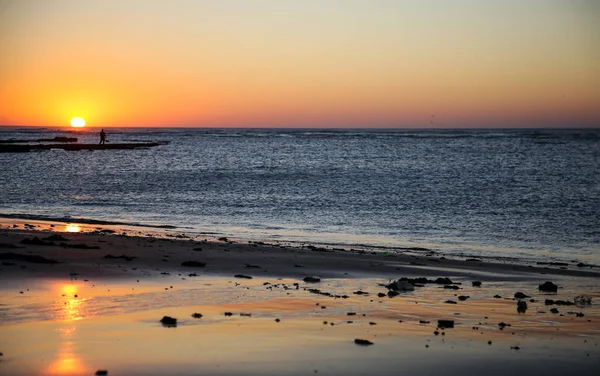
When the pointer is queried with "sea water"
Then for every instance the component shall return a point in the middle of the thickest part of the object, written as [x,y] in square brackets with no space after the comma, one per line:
[531,194]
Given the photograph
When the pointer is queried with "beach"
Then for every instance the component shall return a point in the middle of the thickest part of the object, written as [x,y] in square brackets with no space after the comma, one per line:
[77,299]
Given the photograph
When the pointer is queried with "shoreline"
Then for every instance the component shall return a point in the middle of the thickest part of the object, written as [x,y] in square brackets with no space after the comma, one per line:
[168,231]
[92,299]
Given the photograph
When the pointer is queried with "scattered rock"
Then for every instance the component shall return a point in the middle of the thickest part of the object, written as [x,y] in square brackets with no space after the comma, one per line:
[502,325]
[242,276]
[198,264]
[277,320]
[558,302]
[497,297]
[223,239]
[521,306]
[583,300]
[520,295]
[363,342]
[124,257]
[450,302]
[36,241]
[451,287]
[197,315]
[463,297]
[56,237]
[246,314]
[381,295]
[26,258]
[401,285]
[101,372]
[554,310]
[423,322]
[312,279]
[253,266]
[515,347]
[351,313]
[79,246]
[228,314]
[548,287]
[445,324]
[476,283]
[168,322]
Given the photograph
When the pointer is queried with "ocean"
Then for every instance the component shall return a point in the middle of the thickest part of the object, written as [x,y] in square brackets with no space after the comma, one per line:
[523,194]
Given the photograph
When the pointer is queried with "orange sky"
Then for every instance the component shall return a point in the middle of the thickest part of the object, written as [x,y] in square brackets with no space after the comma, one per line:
[320,63]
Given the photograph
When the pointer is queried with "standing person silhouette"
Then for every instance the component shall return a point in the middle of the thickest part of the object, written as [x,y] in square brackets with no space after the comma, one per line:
[102,137]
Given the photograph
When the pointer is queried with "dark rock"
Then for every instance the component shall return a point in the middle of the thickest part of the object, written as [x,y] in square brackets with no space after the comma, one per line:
[36,241]
[351,313]
[520,295]
[228,314]
[450,302]
[253,266]
[79,246]
[476,283]
[198,264]
[583,300]
[359,292]
[363,342]
[381,295]
[124,257]
[497,296]
[502,325]
[223,239]
[101,372]
[56,237]
[312,279]
[198,249]
[521,306]
[242,276]
[558,302]
[463,297]
[451,287]
[443,281]
[515,347]
[392,293]
[445,324]
[197,315]
[554,310]
[548,287]
[423,322]
[277,320]
[246,314]
[26,258]
[9,246]
[168,322]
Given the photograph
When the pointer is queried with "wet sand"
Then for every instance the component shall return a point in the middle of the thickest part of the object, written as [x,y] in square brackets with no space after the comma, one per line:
[88,312]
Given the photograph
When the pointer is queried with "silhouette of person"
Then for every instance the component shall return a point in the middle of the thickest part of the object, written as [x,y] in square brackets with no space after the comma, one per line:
[102,137]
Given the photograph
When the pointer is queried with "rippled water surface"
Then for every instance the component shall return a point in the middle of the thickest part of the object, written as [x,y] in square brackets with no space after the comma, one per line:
[517,193]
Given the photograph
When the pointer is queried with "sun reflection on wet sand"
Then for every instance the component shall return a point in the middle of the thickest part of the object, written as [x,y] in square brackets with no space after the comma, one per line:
[68,362]
[72,227]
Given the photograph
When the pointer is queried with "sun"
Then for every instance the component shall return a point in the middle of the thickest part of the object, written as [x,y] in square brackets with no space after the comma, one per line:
[77,122]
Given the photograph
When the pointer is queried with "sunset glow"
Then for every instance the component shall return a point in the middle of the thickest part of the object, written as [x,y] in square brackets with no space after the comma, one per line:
[351,64]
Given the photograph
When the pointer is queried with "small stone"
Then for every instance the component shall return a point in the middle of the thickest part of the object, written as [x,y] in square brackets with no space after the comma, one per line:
[520,295]
[363,342]
[476,283]
[101,372]
[277,320]
[443,324]
[312,279]
[196,315]
[242,276]
[168,322]
[198,264]
[228,314]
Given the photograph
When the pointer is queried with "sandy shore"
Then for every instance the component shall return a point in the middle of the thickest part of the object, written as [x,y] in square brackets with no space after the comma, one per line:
[78,302]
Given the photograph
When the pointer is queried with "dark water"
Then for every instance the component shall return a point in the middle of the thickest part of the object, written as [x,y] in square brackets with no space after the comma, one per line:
[515,193]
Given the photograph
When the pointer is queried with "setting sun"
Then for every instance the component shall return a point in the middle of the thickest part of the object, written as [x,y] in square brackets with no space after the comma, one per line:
[77,122]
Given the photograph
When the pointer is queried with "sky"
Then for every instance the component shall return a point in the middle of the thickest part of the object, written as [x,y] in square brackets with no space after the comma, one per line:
[309,63]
